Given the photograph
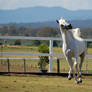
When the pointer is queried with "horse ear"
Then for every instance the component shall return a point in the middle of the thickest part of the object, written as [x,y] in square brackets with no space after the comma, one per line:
[57,21]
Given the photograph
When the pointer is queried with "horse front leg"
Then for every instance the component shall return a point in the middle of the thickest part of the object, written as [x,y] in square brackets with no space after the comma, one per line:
[76,69]
[70,74]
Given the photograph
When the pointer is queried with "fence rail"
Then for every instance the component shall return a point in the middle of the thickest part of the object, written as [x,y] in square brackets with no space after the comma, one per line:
[29,38]
[34,38]
[50,54]
[36,54]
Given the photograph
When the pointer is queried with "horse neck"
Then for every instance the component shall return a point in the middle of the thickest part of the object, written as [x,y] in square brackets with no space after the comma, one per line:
[67,38]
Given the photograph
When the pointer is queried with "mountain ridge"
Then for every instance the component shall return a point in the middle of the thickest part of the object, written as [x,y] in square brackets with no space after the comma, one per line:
[42,14]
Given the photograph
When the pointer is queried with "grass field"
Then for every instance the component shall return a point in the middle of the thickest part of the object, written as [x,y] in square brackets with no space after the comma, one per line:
[32,66]
[40,83]
[32,49]
[43,84]
[29,49]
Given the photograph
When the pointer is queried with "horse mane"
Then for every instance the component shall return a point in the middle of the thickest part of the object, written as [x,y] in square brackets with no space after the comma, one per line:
[76,32]
[70,34]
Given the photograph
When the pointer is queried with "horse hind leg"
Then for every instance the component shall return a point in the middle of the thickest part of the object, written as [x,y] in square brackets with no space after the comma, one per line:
[76,69]
[82,56]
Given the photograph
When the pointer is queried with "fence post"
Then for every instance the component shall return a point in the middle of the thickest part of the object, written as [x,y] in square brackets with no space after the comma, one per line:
[50,57]
[1,45]
[86,60]
[58,65]
[24,65]
[8,65]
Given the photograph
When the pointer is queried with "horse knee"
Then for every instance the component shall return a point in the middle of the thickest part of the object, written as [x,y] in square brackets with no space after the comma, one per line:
[67,52]
[76,67]
[76,64]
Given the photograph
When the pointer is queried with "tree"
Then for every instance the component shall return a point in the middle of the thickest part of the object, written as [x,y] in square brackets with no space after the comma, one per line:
[17,42]
[47,32]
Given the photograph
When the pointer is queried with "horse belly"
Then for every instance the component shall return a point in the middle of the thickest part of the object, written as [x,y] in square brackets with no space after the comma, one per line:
[80,47]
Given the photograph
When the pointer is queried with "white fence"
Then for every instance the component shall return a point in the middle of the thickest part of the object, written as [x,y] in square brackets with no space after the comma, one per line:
[50,54]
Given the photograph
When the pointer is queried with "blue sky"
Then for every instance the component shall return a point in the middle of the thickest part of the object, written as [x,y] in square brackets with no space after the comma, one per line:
[69,4]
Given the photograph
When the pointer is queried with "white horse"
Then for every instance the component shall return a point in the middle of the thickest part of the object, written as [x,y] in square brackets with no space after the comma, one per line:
[73,47]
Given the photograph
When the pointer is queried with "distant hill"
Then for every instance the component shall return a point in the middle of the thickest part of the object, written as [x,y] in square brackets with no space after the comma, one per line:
[75,23]
[41,14]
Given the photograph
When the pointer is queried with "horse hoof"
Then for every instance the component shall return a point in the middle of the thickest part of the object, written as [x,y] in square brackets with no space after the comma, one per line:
[77,82]
[80,81]
[69,77]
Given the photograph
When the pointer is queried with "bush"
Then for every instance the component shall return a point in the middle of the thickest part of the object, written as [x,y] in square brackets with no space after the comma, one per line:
[17,42]
[1,43]
[89,44]
[44,60]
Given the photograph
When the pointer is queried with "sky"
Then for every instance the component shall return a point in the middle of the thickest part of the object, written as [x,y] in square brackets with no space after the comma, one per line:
[68,4]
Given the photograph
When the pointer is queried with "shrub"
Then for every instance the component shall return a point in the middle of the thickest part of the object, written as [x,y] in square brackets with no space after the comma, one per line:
[44,60]
[17,42]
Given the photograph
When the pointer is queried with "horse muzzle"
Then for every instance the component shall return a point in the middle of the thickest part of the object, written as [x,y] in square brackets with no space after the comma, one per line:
[67,27]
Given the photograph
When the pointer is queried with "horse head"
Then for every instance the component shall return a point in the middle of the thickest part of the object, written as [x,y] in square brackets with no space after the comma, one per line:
[64,24]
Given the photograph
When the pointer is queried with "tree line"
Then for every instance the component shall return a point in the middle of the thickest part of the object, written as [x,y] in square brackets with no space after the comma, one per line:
[14,30]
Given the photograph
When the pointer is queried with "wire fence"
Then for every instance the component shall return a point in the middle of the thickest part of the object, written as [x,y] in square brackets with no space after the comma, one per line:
[31,65]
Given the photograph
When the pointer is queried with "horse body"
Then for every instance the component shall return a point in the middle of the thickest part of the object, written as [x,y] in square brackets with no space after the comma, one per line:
[68,44]
[73,47]
[80,46]
[75,44]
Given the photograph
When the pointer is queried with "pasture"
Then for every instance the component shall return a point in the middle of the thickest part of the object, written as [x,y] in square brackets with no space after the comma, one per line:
[32,65]
[43,84]
[31,83]
[32,49]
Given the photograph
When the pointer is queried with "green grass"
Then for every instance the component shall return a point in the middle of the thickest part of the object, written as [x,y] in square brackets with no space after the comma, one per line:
[32,49]
[43,84]
[18,49]
[40,83]
[89,51]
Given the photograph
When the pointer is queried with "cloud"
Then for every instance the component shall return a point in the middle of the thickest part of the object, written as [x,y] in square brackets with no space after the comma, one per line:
[77,4]
[8,4]
[69,4]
